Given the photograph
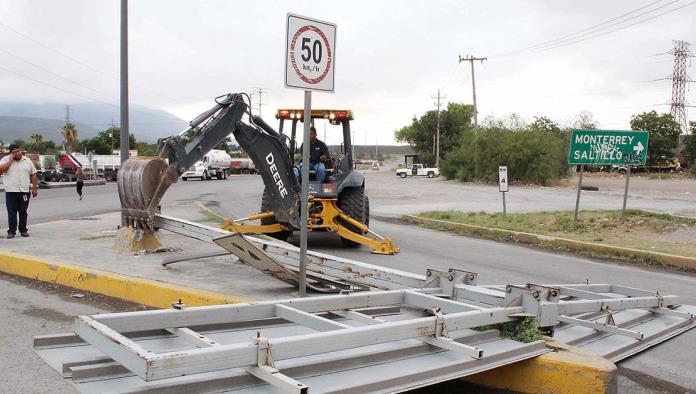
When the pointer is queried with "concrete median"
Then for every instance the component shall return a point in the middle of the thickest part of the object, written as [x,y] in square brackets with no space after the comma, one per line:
[568,370]
[138,290]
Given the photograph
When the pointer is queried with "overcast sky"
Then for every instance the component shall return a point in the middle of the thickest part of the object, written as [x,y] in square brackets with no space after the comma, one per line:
[391,56]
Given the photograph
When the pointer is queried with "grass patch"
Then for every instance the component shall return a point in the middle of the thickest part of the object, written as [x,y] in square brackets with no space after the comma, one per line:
[523,330]
[641,230]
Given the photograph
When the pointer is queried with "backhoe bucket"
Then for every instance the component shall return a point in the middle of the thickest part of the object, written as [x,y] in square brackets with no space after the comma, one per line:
[142,181]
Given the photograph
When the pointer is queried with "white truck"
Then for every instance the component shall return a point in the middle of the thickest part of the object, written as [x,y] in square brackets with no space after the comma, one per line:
[418,170]
[215,164]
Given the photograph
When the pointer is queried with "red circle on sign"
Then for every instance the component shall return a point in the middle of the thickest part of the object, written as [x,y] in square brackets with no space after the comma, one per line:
[321,34]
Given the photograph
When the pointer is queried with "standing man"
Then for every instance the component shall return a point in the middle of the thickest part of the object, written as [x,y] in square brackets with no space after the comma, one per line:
[20,175]
[318,153]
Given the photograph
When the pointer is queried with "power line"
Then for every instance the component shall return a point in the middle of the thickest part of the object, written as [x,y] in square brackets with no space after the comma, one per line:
[587,30]
[75,60]
[49,71]
[595,34]
[618,28]
[53,86]
[89,98]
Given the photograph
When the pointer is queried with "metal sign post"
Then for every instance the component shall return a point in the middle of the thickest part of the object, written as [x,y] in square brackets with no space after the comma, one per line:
[503,184]
[628,176]
[577,199]
[310,61]
[607,147]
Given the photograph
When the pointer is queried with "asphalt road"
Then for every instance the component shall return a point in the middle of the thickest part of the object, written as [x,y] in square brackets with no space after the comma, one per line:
[27,312]
[668,365]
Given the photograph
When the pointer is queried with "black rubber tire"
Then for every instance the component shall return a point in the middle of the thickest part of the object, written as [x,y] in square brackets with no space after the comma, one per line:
[218,175]
[431,174]
[205,176]
[352,202]
[266,203]
[110,177]
[183,178]
[403,175]
[367,211]
[55,177]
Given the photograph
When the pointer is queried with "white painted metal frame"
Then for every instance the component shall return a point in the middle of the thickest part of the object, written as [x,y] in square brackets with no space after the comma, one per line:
[105,332]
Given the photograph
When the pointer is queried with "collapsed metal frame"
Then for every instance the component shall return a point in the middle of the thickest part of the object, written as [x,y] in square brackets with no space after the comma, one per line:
[595,307]
[260,354]
[437,310]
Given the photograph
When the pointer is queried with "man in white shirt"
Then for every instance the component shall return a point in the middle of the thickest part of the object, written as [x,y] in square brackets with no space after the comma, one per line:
[20,175]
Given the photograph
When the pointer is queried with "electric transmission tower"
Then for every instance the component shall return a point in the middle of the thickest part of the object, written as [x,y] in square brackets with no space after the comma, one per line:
[680,79]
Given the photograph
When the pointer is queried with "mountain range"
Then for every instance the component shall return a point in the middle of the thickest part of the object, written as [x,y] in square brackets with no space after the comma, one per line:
[18,120]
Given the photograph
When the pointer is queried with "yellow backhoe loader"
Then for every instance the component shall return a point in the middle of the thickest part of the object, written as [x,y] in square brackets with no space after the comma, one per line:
[338,204]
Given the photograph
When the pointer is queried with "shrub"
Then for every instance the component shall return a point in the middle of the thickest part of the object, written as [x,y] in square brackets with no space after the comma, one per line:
[531,155]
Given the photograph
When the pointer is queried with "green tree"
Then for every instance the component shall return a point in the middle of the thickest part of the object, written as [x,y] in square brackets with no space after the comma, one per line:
[664,136]
[690,146]
[542,123]
[36,143]
[455,120]
[531,155]
[70,136]
[584,121]
[105,142]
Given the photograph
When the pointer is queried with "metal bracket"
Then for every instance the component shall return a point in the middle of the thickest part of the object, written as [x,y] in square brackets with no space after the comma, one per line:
[263,351]
[447,280]
[440,326]
[538,300]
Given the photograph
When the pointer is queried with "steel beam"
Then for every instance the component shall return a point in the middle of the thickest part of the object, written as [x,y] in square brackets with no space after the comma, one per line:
[595,325]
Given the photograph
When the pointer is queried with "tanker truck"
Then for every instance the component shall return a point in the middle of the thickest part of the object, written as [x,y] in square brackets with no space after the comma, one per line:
[215,164]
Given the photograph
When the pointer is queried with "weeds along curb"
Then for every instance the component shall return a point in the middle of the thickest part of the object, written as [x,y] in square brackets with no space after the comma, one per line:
[590,249]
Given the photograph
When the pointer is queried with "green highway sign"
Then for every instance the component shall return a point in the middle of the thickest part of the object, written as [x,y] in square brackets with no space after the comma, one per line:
[608,147]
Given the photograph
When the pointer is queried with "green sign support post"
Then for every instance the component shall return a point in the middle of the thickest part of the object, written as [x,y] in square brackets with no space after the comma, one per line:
[607,147]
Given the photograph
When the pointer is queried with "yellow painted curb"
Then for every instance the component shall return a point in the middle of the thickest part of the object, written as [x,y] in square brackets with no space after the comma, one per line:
[681,262]
[129,288]
[569,370]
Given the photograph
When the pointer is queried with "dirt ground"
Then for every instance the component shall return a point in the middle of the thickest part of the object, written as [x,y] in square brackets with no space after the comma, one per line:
[392,196]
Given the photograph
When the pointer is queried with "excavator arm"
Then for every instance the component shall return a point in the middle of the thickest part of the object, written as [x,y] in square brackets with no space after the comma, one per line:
[143,181]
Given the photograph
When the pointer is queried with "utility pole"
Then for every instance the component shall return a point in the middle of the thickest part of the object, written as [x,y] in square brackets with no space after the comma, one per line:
[471,59]
[67,113]
[437,134]
[260,92]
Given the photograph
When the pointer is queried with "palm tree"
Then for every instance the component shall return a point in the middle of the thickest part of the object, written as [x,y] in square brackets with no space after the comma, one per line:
[69,133]
[36,143]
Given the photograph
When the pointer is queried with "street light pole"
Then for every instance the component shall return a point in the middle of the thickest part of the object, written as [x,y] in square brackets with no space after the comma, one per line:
[124,87]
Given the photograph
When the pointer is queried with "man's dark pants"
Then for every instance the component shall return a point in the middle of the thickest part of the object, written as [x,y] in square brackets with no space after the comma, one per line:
[17,204]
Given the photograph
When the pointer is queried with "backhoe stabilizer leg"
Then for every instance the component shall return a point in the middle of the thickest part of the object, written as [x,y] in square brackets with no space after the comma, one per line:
[379,246]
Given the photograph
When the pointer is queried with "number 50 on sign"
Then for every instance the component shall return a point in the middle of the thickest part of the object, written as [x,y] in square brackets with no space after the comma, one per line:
[310,54]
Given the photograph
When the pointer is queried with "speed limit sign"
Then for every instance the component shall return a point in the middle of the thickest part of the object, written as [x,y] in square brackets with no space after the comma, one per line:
[310,57]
